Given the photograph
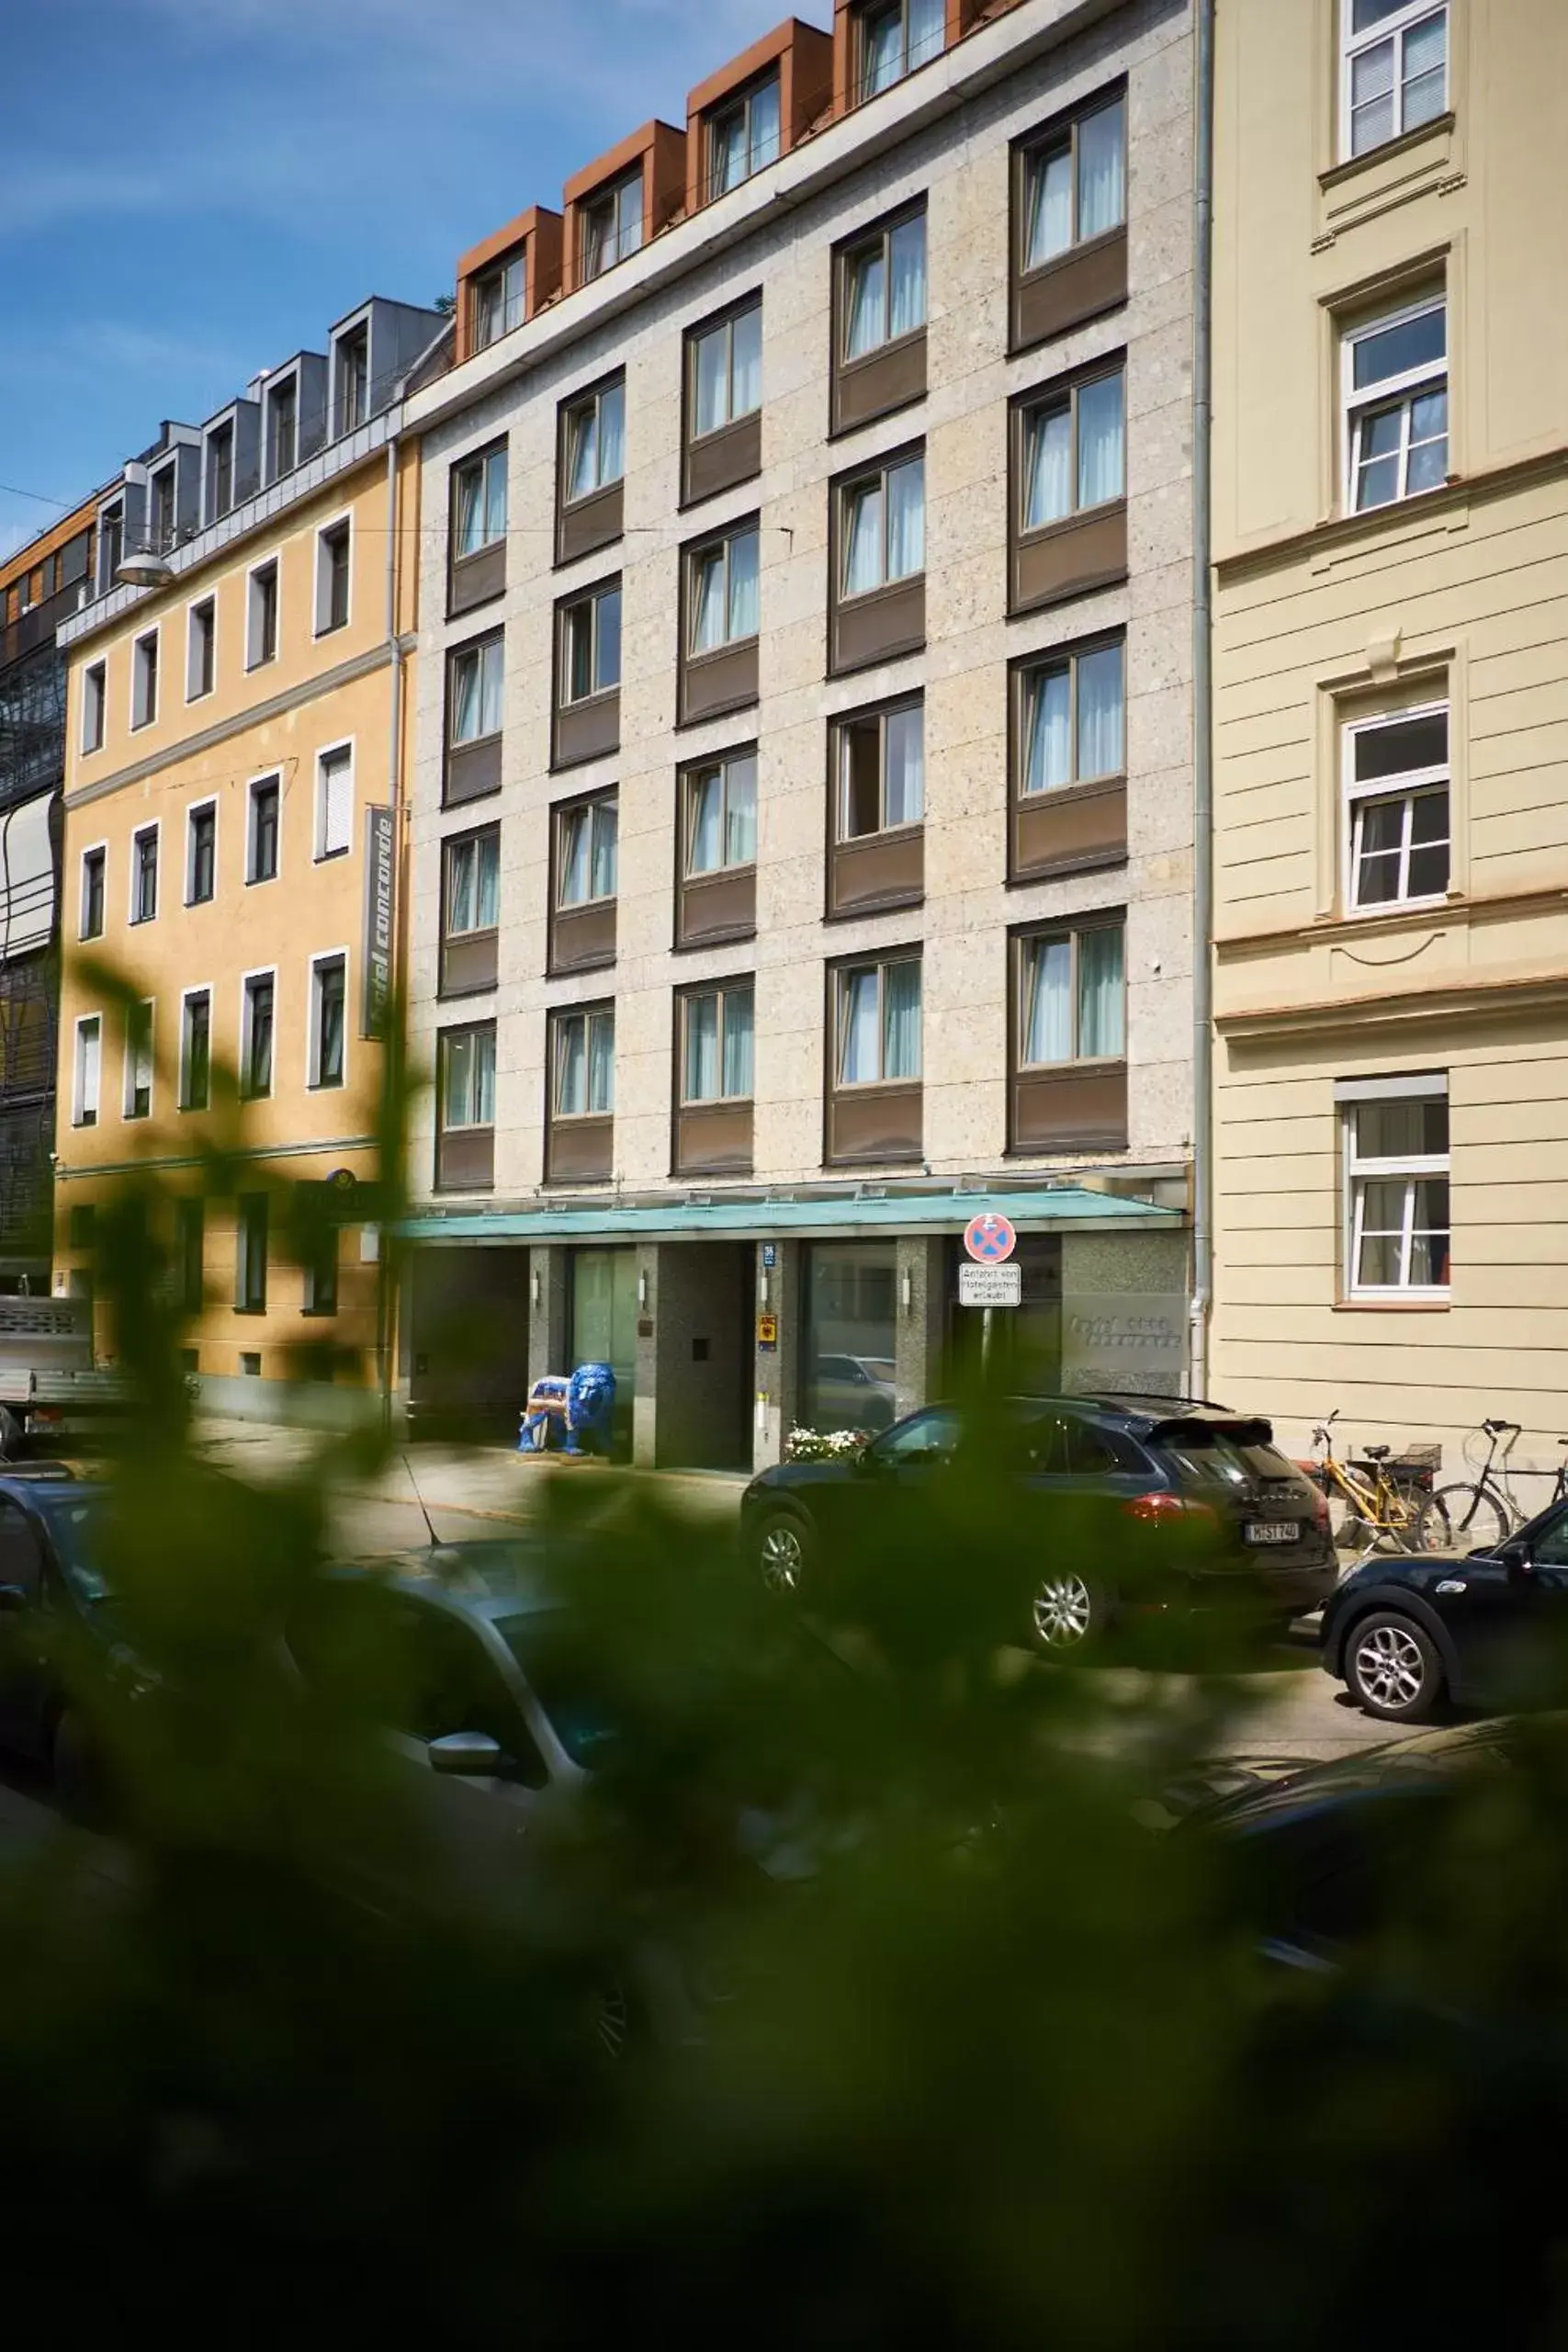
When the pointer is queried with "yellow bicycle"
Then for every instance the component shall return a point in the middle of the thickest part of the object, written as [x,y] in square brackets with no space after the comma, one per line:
[1386,1513]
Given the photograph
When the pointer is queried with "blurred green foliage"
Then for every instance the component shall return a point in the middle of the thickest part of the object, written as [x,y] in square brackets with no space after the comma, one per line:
[994,2064]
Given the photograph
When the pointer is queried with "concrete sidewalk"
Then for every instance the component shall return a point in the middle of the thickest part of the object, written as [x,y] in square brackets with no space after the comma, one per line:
[487,1482]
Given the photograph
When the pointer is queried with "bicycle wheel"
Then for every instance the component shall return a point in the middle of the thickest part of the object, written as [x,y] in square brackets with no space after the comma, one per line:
[1463,1519]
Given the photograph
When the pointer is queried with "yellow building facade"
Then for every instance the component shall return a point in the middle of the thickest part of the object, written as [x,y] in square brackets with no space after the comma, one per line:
[236,700]
[1391,721]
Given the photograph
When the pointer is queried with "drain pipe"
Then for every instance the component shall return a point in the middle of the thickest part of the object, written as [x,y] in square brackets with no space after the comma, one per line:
[386,1305]
[1202,708]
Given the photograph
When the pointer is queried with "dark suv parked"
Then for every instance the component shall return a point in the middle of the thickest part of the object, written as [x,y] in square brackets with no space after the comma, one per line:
[1198,1497]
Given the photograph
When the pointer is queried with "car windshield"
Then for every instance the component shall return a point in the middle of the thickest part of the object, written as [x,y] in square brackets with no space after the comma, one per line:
[1202,1455]
[78,1530]
[581,1720]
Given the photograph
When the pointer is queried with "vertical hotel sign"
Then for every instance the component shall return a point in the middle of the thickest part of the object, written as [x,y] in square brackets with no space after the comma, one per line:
[376,960]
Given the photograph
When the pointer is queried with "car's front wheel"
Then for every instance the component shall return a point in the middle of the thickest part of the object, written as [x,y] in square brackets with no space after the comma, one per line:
[1392,1668]
[1069,1612]
[785,1552]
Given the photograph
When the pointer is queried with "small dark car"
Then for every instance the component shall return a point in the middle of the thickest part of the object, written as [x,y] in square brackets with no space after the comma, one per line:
[48,1570]
[1405,1634]
[1239,1519]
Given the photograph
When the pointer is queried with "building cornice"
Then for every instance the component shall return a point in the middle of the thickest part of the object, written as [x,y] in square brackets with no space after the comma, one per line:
[1408,518]
[224,730]
[974,66]
[95,1168]
[1338,930]
[1468,1000]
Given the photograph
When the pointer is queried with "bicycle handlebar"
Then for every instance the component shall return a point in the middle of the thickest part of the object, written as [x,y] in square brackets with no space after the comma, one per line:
[1498,1428]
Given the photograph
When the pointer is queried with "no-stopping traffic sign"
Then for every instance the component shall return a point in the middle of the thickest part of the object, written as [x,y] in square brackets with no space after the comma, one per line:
[989,1238]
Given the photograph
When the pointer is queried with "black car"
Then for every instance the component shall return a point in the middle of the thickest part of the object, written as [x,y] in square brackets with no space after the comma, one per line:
[48,1570]
[1202,1489]
[1405,1634]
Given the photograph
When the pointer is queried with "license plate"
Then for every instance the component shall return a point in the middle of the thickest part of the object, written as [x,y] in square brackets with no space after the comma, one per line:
[1272,1530]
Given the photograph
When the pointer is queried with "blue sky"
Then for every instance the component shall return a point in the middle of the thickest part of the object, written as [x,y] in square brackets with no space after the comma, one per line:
[195,188]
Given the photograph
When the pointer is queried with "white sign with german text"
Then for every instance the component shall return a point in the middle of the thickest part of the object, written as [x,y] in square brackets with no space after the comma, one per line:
[990,1286]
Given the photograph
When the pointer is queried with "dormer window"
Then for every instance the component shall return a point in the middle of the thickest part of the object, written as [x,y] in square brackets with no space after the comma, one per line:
[161,529]
[498,299]
[353,379]
[743,137]
[219,471]
[611,225]
[283,428]
[111,546]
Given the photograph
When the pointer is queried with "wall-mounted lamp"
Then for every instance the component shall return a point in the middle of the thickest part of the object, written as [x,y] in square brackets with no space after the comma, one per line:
[642,1290]
[535,1289]
[905,1289]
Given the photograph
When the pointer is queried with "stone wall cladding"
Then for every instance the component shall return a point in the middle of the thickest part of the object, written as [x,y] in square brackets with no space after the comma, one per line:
[962,166]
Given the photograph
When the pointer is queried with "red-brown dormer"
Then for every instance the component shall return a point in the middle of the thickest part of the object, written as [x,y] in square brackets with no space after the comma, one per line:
[756,108]
[506,278]
[878,42]
[614,205]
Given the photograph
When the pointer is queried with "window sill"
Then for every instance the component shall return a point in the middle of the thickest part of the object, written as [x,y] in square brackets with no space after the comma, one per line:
[325,1086]
[1440,127]
[1392,1305]
[325,856]
[250,1310]
[318,1314]
[264,662]
[334,629]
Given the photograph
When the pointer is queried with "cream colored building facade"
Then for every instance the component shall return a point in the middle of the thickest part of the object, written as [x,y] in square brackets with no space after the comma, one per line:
[715,1097]
[234,734]
[1391,534]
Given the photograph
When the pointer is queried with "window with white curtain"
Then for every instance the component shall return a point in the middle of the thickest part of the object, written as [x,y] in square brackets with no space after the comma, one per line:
[743,136]
[881,771]
[1074,451]
[884,527]
[474,691]
[883,286]
[1396,807]
[498,300]
[585,1064]
[1395,70]
[596,441]
[1074,184]
[1396,1185]
[895,37]
[590,645]
[721,814]
[88,1071]
[473,883]
[335,802]
[726,371]
[1072,996]
[1395,394]
[480,502]
[1072,719]
[468,1077]
[716,1059]
[586,852]
[879,1022]
[612,225]
[725,592]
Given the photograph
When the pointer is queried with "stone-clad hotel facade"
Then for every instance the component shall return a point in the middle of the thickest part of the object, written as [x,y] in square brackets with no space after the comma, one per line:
[800,848]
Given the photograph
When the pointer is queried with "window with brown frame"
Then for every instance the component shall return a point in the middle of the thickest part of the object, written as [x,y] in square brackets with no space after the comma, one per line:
[1068,506]
[1068,1084]
[497,300]
[465,1101]
[584,856]
[590,464]
[878,558]
[879,319]
[1068,802]
[610,226]
[474,684]
[1069,220]
[714,1047]
[873,1071]
[722,444]
[720,595]
[470,911]
[716,898]
[476,531]
[742,135]
[893,37]
[588,674]
[878,805]
[581,1079]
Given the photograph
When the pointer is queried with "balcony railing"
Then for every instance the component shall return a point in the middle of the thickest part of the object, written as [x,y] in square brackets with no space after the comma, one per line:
[37,625]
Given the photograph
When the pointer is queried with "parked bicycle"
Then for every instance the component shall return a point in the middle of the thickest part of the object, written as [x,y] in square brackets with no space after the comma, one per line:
[1477,1514]
[1387,1510]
